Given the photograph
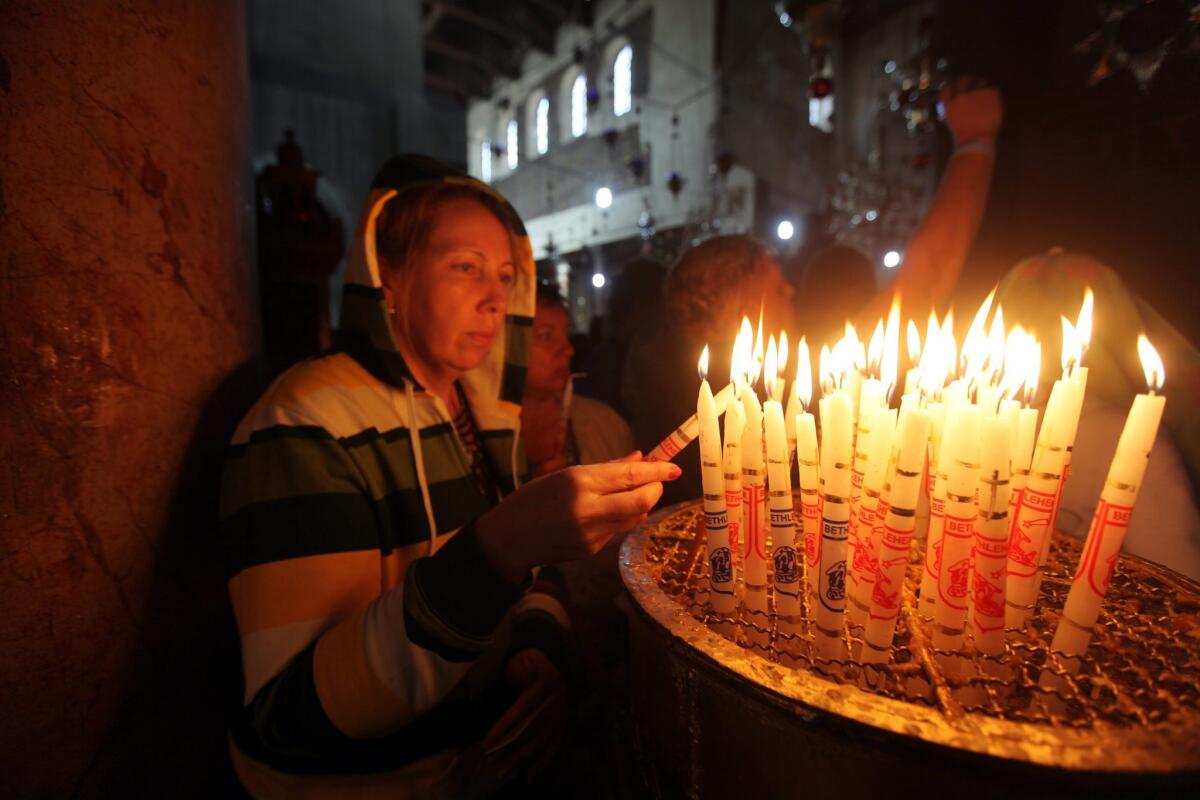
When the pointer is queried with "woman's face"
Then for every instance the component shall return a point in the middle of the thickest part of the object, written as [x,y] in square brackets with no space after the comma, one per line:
[460,283]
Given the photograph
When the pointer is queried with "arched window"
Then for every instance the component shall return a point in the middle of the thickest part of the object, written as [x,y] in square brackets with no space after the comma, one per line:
[537,125]
[510,144]
[542,126]
[579,105]
[623,81]
[485,161]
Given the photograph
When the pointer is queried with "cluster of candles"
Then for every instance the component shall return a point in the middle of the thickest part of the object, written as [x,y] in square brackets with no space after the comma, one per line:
[962,464]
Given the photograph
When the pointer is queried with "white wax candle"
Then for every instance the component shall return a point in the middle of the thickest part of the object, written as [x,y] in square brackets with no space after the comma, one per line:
[836,454]
[716,518]
[961,446]
[789,424]
[990,568]
[682,436]
[735,423]
[1109,525]
[1077,384]
[936,486]
[868,526]
[902,487]
[1031,524]
[783,529]
[870,398]
[754,545]
[808,470]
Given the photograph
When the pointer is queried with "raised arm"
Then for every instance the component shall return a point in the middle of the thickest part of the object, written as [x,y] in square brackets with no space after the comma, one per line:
[938,250]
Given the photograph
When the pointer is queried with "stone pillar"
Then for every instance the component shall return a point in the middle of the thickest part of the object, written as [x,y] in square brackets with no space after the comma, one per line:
[126,312]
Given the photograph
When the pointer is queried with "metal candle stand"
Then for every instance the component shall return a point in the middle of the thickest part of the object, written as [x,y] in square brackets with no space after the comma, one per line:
[1127,718]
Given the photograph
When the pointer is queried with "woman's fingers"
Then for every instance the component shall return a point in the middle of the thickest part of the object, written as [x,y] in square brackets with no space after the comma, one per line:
[621,476]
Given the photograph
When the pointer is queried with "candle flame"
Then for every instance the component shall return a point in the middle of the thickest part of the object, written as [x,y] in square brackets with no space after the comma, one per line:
[772,359]
[972,344]
[891,351]
[914,341]
[743,350]
[1034,373]
[949,345]
[757,363]
[932,328]
[875,349]
[783,354]
[995,358]
[1152,365]
[825,369]
[1083,323]
[936,359]
[702,364]
[803,383]
[1015,372]
[1071,347]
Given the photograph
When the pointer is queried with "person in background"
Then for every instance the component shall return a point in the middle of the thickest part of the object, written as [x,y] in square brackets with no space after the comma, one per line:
[709,291]
[396,636]
[562,427]
[838,284]
[1165,526]
[636,294]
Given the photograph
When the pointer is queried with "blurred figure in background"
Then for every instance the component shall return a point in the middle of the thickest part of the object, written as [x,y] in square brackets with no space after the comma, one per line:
[637,292]
[708,292]
[838,283]
[1165,526]
[560,427]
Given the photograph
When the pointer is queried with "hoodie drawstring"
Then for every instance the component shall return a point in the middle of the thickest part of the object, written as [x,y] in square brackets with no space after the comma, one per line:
[516,475]
[414,437]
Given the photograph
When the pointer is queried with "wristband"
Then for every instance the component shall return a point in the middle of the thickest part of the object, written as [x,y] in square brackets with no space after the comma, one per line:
[986,148]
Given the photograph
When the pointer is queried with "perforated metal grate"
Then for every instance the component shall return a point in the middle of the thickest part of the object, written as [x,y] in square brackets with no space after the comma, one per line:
[1133,704]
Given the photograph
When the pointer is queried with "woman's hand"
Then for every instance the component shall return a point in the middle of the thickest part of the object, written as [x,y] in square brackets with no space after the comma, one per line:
[570,514]
[529,731]
[973,110]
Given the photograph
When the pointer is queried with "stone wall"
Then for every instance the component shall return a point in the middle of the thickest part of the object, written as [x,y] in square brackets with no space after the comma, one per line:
[127,319]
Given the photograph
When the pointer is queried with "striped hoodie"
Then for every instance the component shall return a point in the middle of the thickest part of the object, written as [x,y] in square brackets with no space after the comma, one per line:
[372,627]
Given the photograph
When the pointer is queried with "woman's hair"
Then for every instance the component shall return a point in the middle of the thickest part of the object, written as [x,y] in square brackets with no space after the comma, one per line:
[707,283]
[403,226]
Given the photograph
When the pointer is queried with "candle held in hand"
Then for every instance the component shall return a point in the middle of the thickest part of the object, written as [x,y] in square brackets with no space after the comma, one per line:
[681,437]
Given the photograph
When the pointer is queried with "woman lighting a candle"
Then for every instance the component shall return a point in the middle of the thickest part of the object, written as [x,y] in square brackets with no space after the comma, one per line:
[382,546]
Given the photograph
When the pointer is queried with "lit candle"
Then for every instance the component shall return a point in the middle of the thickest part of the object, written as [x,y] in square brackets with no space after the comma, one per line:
[870,399]
[1031,523]
[1113,512]
[914,356]
[902,487]
[960,466]
[754,553]
[716,519]
[793,403]
[1076,339]
[807,465]
[836,453]
[990,568]
[864,558]
[682,436]
[779,501]
[735,423]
